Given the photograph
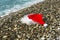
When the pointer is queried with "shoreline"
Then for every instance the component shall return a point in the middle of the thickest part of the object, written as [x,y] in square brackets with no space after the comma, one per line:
[12,10]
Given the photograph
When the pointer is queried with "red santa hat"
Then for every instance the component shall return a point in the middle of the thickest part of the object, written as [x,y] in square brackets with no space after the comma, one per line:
[33,19]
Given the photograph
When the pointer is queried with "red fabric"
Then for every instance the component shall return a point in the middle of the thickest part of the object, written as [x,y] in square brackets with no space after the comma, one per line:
[37,18]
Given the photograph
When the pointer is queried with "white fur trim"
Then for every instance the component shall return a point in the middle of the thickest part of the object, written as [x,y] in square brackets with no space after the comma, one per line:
[45,25]
[26,20]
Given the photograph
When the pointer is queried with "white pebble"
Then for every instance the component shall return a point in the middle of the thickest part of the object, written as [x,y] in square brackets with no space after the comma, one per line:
[5,36]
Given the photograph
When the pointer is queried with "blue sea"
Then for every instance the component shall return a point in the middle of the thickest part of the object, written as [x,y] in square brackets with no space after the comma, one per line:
[8,6]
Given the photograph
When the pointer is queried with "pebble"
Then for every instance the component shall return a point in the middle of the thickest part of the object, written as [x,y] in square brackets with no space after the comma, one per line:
[15,28]
[28,35]
[9,28]
[59,24]
[18,36]
[58,38]
[42,38]
[58,28]
[5,36]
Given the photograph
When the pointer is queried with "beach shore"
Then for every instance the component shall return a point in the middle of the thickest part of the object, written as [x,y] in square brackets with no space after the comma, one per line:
[12,29]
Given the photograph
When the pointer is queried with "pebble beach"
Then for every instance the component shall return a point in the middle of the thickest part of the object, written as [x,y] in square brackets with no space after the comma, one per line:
[12,29]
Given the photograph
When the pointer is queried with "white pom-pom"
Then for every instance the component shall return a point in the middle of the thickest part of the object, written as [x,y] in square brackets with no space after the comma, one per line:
[26,20]
[45,25]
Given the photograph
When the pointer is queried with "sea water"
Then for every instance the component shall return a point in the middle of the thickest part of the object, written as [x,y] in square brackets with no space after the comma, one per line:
[8,6]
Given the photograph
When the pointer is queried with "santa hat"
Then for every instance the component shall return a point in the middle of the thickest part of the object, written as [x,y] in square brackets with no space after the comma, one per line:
[33,19]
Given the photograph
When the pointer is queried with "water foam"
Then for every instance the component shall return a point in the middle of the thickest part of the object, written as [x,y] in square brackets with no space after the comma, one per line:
[19,7]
